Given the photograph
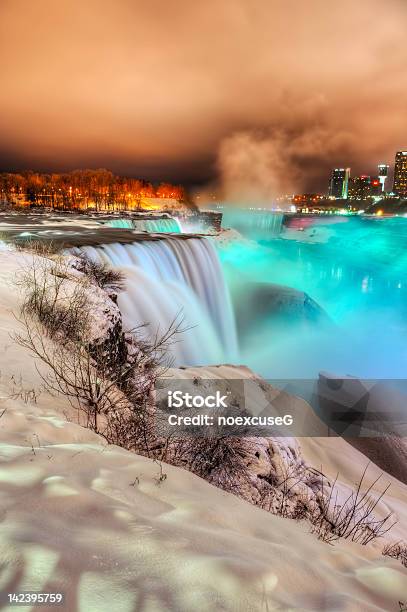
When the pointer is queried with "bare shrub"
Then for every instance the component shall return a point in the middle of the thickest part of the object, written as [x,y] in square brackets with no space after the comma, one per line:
[291,477]
[37,247]
[398,551]
[48,303]
[219,460]
[101,273]
[108,385]
[331,516]
[300,511]
[353,518]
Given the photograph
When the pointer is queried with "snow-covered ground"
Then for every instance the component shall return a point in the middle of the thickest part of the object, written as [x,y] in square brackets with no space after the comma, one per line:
[98,523]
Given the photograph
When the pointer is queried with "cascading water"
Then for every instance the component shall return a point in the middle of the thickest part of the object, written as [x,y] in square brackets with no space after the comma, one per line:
[120,223]
[170,276]
[253,223]
[158,226]
[163,226]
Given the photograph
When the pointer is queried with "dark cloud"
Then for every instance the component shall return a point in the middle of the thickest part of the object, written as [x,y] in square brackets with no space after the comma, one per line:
[278,90]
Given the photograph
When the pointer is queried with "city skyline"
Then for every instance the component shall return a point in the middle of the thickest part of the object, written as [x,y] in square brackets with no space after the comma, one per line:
[342,185]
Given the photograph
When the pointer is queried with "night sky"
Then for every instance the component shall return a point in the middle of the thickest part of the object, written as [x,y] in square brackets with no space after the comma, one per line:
[264,96]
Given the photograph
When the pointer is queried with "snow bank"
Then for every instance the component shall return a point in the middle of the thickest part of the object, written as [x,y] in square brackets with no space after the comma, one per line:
[90,520]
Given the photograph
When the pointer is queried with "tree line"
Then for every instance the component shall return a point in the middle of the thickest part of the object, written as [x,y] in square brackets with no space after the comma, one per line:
[99,189]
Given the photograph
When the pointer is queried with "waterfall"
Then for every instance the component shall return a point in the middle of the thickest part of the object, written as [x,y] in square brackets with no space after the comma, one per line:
[254,223]
[163,226]
[159,225]
[170,276]
[120,223]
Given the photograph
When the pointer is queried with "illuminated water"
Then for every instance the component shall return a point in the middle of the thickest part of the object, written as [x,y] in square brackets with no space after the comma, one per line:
[158,226]
[166,278]
[356,269]
[257,224]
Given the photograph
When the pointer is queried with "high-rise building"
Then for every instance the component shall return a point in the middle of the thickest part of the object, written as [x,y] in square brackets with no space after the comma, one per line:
[359,187]
[383,174]
[400,174]
[338,186]
[364,187]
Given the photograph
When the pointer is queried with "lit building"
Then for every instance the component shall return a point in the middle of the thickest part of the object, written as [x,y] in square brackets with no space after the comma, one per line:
[383,174]
[307,199]
[364,187]
[400,174]
[376,186]
[359,187]
[338,186]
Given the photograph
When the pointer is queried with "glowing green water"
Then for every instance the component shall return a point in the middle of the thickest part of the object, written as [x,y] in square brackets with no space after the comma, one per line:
[163,225]
[357,273]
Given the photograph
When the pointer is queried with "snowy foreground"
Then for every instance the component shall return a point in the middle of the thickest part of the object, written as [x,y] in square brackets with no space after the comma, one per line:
[97,523]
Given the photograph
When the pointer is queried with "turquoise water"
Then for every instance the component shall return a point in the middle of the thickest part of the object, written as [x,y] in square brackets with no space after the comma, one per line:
[355,269]
[257,224]
[159,225]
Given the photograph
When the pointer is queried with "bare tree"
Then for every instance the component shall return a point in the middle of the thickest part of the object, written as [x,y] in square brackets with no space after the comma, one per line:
[109,386]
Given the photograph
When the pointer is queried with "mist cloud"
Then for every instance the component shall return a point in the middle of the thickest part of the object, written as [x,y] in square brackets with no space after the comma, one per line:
[258,166]
[255,168]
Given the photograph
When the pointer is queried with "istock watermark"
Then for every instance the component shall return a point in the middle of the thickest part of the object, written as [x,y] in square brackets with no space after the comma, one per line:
[204,420]
[217,407]
[326,407]
[178,399]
